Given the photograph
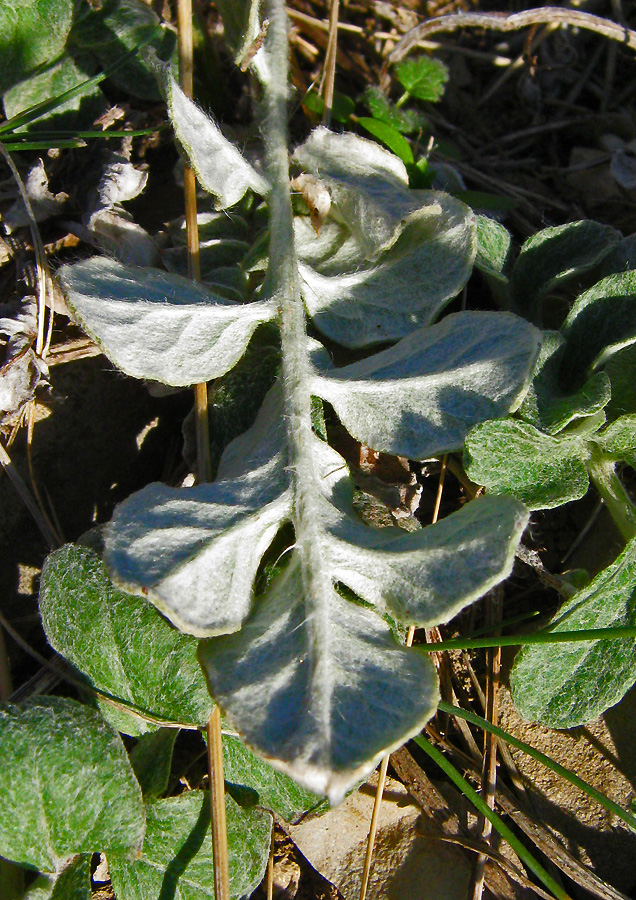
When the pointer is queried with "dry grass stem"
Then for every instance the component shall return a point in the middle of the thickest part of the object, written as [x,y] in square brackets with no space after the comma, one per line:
[547,15]
[368,859]
[217,804]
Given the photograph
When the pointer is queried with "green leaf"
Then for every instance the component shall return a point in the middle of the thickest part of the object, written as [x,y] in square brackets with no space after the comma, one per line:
[618,440]
[554,256]
[259,784]
[621,371]
[341,109]
[511,457]
[422,77]
[420,397]
[151,758]
[177,859]
[220,168]
[67,786]
[72,883]
[353,301]
[63,75]
[405,121]
[601,322]
[546,405]
[573,684]
[116,26]
[390,137]
[33,33]
[159,326]
[119,642]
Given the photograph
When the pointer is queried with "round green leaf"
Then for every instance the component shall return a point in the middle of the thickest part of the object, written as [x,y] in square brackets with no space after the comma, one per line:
[67,786]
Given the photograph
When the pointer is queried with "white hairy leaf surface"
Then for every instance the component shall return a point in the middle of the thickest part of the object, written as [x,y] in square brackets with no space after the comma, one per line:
[318,685]
[368,187]
[358,302]
[314,682]
[219,166]
[157,325]
[420,397]
[194,552]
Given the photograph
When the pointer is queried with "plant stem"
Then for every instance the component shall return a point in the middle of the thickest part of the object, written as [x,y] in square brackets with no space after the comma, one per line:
[608,484]
[184,21]
[496,821]
[217,802]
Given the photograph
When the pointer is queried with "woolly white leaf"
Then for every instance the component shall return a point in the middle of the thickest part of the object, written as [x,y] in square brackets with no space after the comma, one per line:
[318,685]
[159,326]
[194,552]
[219,166]
[368,187]
[420,397]
[358,303]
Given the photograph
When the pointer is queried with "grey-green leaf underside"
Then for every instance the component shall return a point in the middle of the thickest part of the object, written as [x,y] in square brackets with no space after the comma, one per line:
[420,397]
[219,166]
[357,301]
[318,686]
[67,786]
[160,326]
[119,642]
[575,683]
[177,859]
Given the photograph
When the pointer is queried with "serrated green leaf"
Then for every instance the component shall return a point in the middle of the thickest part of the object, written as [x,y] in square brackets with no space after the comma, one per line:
[570,684]
[553,256]
[220,168]
[420,397]
[151,758]
[159,326]
[422,77]
[493,251]
[353,301]
[262,785]
[601,322]
[511,457]
[546,405]
[390,137]
[177,859]
[119,642]
[61,76]
[621,258]
[405,121]
[33,33]
[66,787]
[115,27]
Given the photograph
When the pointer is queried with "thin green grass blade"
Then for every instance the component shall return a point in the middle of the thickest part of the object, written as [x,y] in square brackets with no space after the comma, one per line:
[547,761]
[497,823]
[17,146]
[539,637]
[46,106]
